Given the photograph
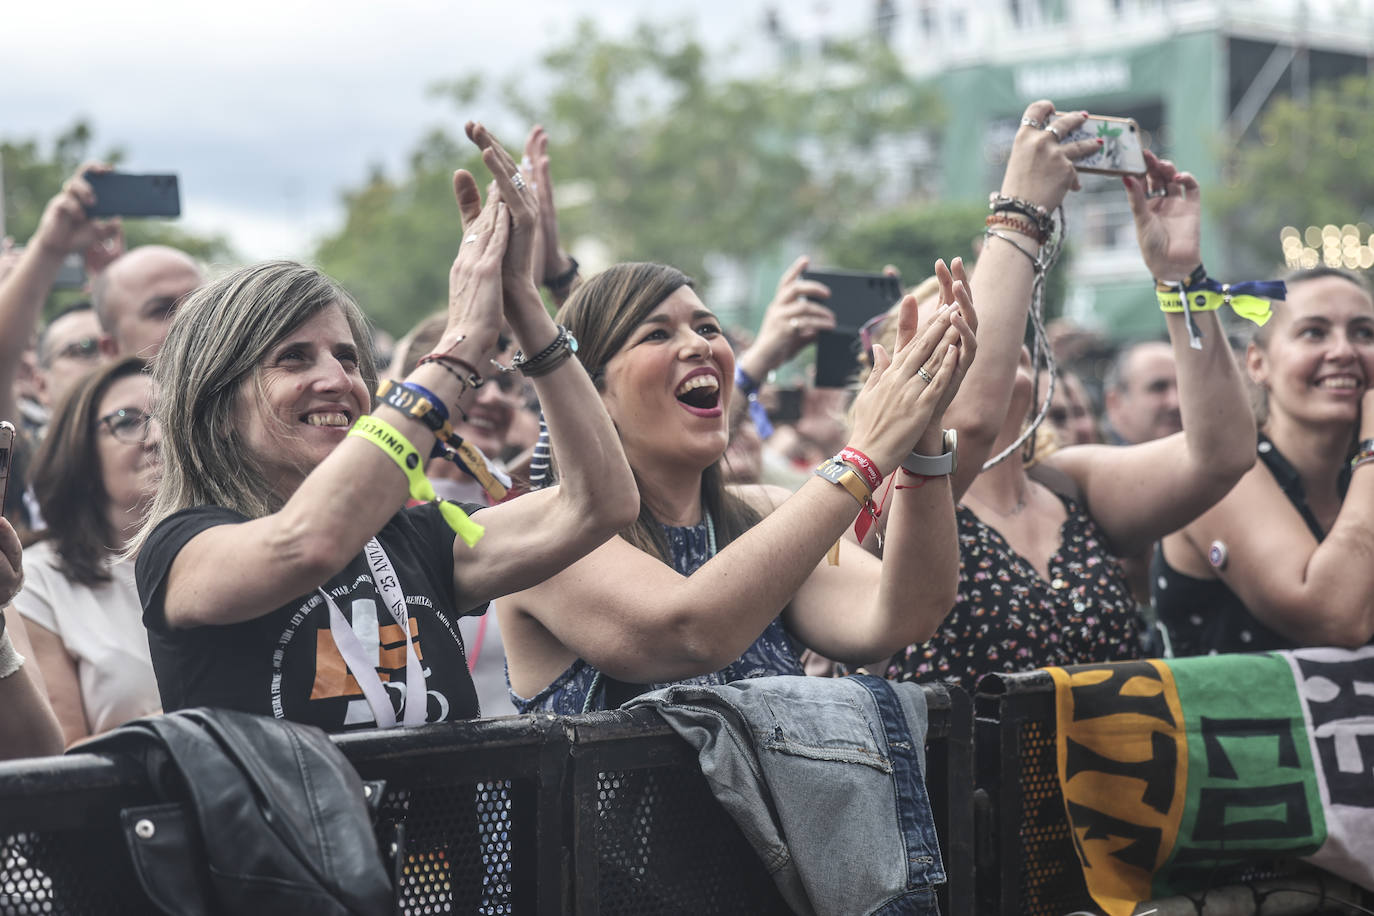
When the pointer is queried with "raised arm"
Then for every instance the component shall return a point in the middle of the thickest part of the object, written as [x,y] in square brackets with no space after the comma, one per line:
[63,229]
[1040,172]
[1140,493]
[639,620]
[532,537]
[232,573]
[791,321]
[920,567]
[28,727]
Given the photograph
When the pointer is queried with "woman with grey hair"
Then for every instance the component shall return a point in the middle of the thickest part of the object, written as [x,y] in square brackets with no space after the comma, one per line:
[278,571]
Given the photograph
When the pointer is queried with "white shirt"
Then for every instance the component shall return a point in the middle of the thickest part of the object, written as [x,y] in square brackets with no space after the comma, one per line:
[101,628]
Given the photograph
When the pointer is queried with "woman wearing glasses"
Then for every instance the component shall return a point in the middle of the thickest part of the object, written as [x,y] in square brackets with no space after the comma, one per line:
[94,475]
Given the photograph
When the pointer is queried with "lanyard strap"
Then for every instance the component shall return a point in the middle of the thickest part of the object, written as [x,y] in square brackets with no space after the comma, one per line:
[363,669]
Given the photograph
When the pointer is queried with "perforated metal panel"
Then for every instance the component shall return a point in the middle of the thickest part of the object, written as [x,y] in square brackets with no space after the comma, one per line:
[665,848]
[1051,880]
[81,872]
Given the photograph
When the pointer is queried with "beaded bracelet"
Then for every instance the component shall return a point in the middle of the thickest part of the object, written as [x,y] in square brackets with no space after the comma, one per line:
[1016,224]
[1043,219]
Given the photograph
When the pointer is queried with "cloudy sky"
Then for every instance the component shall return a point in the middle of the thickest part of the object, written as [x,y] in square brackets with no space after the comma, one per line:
[267,108]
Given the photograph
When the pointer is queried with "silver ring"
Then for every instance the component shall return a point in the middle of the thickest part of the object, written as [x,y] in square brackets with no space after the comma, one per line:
[1057,135]
[518,180]
[1157,192]
[794,323]
[921,371]
[472,238]
[1031,122]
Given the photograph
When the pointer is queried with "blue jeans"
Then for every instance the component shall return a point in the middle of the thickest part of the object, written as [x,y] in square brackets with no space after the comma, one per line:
[825,777]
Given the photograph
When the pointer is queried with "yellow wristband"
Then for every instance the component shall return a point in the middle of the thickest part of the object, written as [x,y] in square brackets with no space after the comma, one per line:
[1200,301]
[412,463]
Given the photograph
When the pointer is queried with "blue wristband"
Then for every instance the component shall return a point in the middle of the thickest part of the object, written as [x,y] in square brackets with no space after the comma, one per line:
[435,403]
[750,389]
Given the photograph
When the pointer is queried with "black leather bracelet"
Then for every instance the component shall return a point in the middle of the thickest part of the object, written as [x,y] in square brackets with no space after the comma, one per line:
[562,280]
[549,358]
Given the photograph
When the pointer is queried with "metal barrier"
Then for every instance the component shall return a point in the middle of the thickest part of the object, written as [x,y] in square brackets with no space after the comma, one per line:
[1026,861]
[600,814]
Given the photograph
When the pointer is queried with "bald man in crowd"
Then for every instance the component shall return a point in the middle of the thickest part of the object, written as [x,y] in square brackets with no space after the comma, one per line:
[136,296]
[1142,394]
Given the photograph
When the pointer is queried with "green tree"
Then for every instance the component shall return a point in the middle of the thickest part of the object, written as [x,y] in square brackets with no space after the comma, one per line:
[655,156]
[399,236]
[1310,168]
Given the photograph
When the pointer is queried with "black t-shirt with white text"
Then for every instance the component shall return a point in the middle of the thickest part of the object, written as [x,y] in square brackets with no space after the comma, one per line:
[285,663]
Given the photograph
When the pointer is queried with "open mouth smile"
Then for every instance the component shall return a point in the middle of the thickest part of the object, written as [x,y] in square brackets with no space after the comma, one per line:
[699,393]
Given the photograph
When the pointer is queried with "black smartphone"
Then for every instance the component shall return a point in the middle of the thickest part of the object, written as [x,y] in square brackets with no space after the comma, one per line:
[855,297]
[788,405]
[6,454]
[123,194]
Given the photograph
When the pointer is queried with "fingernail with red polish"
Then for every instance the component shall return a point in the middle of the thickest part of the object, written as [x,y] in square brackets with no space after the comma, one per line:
[1099,141]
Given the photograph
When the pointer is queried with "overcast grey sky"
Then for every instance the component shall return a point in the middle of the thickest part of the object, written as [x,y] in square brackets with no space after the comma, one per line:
[267,108]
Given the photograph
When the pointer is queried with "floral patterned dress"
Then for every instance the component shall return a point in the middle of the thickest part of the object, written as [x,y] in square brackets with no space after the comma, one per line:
[1009,618]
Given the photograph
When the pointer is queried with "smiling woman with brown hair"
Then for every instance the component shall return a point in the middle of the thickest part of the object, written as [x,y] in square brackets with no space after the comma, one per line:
[713,583]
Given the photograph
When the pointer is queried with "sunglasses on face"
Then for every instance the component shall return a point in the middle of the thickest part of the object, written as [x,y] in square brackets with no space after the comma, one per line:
[87,348]
[128,424]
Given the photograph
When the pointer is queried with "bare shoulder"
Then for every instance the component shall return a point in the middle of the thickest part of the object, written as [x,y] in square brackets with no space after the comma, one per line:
[762,498]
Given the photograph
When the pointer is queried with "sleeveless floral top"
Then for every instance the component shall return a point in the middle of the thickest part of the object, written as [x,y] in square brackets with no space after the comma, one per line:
[1009,618]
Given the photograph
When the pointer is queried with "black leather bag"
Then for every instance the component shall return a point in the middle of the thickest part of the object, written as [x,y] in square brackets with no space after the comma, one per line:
[259,816]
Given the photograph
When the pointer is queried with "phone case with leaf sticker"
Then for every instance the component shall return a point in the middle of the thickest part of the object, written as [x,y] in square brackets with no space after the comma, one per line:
[1121,153]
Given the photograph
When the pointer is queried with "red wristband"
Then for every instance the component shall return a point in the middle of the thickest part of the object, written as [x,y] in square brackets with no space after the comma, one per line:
[864,465]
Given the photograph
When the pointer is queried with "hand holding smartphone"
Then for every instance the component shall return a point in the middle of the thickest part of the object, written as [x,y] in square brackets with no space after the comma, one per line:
[6,454]
[125,194]
[855,297]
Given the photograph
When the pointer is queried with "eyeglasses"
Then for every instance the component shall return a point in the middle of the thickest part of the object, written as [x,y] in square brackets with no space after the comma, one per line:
[129,424]
[86,348]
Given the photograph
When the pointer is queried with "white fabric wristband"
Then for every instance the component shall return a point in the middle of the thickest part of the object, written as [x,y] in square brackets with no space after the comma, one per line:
[10,659]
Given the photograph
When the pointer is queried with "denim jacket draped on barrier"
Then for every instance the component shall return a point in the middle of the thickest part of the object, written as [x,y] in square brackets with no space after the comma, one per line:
[826,779]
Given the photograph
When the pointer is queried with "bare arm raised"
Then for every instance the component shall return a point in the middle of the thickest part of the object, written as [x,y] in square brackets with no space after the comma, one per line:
[1141,492]
[1040,172]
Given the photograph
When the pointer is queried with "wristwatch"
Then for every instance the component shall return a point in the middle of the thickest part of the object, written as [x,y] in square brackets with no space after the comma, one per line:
[841,474]
[936,465]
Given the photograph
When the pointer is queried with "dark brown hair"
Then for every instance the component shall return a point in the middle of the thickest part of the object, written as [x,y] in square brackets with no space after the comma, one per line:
[602,314]
[67,479]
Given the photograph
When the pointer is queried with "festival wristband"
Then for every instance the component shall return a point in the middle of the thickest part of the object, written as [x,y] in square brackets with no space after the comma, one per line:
[407,458]
[864,465]
[1248,300]
[750,389]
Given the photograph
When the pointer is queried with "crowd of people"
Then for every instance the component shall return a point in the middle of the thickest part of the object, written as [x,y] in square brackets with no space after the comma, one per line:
[227,497]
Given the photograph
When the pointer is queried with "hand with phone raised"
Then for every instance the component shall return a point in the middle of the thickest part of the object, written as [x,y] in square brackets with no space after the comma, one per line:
[67,225]
[1041,168]
[1167,207]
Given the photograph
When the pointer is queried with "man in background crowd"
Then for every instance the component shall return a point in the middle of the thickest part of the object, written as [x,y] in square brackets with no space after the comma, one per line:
[1142,394]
